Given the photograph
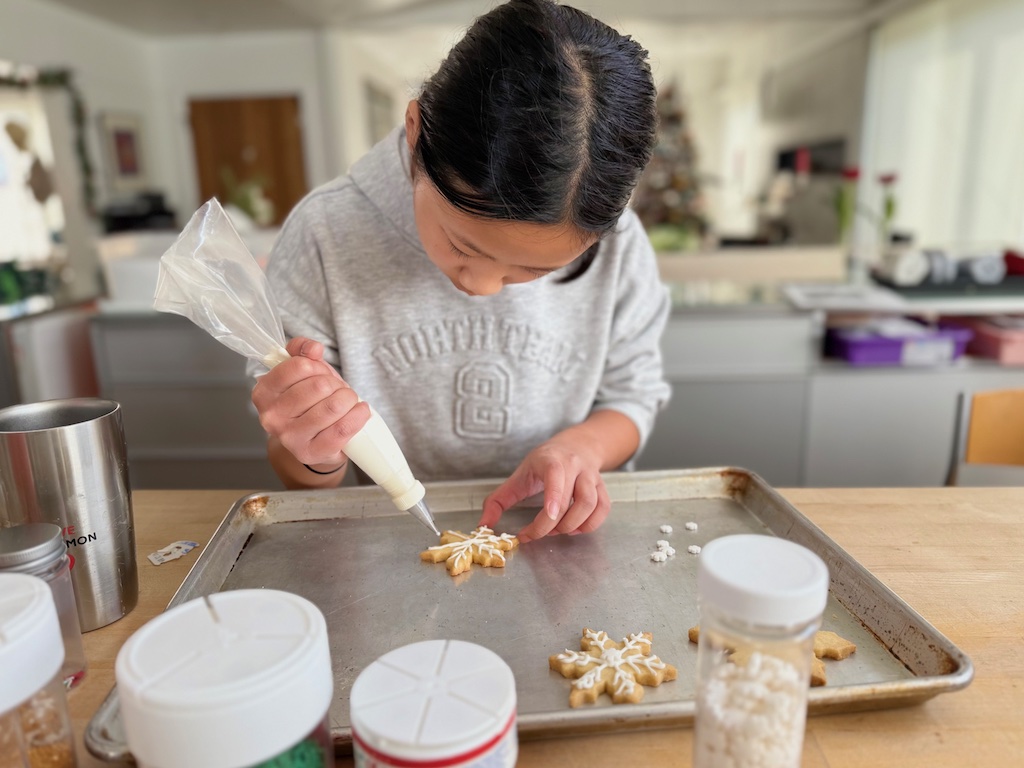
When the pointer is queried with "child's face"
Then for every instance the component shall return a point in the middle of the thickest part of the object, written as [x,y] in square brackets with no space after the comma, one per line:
[481,256]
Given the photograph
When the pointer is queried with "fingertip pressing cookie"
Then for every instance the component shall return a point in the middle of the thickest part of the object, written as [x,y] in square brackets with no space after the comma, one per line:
[481,546]
[605,666]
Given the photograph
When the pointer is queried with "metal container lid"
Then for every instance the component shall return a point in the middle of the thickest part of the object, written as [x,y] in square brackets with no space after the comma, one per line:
[30,547]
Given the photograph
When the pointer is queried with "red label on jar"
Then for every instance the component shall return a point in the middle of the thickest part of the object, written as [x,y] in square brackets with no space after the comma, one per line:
[368,757]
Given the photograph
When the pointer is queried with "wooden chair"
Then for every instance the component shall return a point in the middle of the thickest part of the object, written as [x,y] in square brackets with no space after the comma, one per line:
[989,430]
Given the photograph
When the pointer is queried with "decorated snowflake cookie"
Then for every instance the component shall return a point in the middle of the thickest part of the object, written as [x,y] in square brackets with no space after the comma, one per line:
[460,551]
[603,665]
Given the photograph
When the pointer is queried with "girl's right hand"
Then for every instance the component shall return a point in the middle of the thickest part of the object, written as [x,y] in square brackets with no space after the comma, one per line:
[308,407]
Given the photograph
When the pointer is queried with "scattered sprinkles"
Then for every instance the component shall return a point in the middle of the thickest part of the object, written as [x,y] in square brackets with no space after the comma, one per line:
[666,529]
[691,526]
[693,549]
[663,552]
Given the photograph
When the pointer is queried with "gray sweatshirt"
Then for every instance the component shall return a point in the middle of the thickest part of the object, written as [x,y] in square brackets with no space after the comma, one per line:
[467,384]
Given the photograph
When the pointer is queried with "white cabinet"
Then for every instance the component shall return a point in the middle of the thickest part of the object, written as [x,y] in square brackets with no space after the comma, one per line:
[739,391]
[754,423]
[750,389]
[188,419]
[889,427]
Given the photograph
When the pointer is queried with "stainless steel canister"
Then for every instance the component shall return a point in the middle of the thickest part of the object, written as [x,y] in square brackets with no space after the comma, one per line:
[65,462]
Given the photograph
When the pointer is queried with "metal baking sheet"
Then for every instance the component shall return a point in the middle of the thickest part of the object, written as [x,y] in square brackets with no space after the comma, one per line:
[357,558]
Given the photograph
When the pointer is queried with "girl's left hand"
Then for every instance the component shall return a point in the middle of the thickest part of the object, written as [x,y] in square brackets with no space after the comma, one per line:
[575,498]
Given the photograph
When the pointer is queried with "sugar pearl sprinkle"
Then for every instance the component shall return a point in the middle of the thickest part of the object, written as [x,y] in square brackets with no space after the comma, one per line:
[693,549]
[663,553]
[666,529]
[752,716]
[691,526]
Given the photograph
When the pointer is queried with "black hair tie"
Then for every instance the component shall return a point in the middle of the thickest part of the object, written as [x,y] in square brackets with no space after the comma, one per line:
[318,472]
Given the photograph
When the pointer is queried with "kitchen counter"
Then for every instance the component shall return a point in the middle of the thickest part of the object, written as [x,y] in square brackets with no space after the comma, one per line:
[954,554]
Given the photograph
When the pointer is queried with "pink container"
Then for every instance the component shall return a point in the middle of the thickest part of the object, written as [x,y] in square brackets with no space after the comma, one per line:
[997,339]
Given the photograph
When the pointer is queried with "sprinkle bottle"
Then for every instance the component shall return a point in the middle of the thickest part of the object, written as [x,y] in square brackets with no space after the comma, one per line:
[38,549]
[35,731]
[435,704]
[239,678]
[761,599]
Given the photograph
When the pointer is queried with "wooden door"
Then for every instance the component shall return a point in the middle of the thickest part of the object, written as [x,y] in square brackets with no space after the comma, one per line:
[250,140]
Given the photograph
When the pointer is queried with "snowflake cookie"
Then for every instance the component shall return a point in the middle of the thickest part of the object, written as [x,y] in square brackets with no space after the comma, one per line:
[603,665]
[460,550]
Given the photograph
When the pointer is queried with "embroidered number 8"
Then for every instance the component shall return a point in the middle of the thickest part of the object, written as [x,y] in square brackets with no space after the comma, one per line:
[481,401]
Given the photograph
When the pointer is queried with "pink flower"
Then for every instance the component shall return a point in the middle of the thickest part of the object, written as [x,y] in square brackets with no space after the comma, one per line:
[887,179]
[851,174]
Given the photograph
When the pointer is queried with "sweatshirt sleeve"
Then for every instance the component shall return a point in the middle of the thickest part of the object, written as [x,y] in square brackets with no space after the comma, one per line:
[633,382]
[297,282]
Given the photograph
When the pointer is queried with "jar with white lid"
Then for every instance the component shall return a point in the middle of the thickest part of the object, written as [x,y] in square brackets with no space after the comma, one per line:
[35,730]
[437,703]
[38,549]
[761,599]
[237,679]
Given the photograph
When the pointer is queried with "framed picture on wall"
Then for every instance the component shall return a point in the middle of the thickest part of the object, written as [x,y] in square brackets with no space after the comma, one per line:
[121,137]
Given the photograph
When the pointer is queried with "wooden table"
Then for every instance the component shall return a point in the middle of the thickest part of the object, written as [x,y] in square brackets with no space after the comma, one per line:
[956,555]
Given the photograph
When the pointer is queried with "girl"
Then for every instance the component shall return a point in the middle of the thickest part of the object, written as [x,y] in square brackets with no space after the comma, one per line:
[478,278]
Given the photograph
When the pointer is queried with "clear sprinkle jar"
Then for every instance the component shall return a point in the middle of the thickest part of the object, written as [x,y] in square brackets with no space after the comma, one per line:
[35,730]
[38,549]
[435,704]
[761,599]
[239,678]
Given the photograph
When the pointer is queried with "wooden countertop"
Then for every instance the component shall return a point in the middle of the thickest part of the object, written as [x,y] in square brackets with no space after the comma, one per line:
[955,554]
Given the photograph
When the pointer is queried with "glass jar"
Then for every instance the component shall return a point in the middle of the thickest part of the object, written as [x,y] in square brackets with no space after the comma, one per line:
[38,549]
[761,599]
[436,704]
[35,730]
[237,678]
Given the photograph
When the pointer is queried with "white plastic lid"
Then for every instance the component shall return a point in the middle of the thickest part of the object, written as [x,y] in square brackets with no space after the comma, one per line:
[762,580]
[31,648]
[432,700]
[230,680]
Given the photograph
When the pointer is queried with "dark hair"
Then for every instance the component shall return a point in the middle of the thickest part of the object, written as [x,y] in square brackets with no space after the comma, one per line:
[539,114]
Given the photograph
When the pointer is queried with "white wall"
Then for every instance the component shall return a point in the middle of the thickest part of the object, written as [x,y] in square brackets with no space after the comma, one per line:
[945,110]
[263,64]
[397,61]
[112,67]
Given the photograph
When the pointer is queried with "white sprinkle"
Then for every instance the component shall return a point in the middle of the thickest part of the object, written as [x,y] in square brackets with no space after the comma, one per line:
[659,557]
[691,526]
[693,549]
[666,529]
[669,551]
[662,544]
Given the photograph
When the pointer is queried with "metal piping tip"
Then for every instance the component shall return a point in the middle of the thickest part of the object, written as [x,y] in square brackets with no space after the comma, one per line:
[421,512]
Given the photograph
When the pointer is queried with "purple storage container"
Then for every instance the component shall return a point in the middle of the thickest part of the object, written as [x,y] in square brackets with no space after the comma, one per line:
[865,346]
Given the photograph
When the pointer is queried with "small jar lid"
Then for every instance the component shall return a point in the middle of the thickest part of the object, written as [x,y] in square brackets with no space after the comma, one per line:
[30,547]
[31,648]
[762,580]
[433,700]
[233,679]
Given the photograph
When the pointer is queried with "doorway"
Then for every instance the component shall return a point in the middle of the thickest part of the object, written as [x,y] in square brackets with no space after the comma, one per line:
[248,151]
